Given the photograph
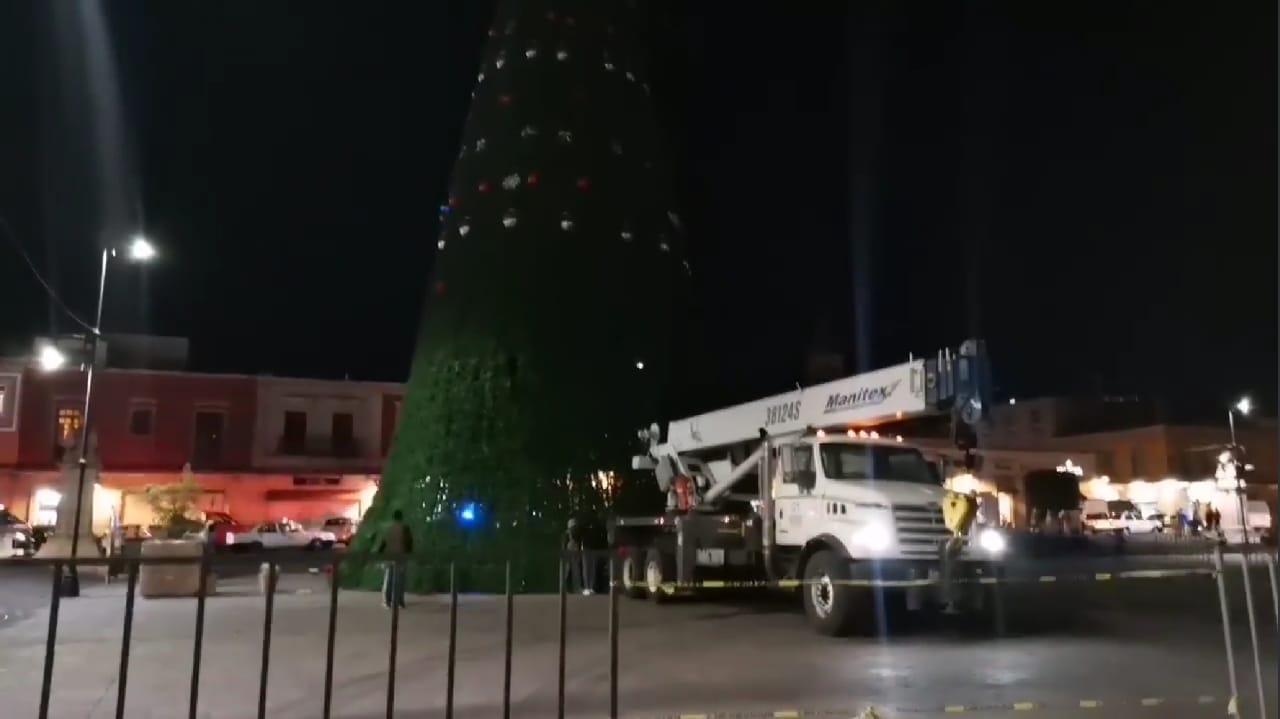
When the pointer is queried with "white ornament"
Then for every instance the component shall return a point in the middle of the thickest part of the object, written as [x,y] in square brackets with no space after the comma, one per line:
[509,219]
[675,219]
[531,53]
[480,77]
[528,131]
[664,247]
[480,144]
[562,55]
[566,222]
[626,235]
[511,182]
[565,136]
[500,60]
[463,230]
[631,76]
[645,85]
[440,245]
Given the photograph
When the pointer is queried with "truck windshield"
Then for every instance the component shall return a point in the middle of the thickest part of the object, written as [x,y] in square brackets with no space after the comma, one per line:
[870,461]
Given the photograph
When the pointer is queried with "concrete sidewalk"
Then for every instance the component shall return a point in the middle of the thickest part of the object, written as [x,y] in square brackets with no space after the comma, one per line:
[752,658]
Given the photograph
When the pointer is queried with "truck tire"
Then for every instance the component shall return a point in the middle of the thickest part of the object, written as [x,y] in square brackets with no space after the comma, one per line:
[829,603]
[632,573]
[659,569]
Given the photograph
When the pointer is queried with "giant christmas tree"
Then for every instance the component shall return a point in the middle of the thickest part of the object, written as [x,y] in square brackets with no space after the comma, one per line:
[546,338]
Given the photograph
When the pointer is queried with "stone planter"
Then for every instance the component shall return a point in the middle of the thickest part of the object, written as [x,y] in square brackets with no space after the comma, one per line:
[173,580]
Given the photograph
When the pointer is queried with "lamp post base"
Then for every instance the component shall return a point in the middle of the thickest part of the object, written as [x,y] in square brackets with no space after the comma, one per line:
[59,547]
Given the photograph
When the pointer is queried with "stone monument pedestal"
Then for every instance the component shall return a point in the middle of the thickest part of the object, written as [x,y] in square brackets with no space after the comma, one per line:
[58,545]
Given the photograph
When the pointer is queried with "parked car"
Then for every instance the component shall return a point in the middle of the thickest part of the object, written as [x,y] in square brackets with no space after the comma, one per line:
[17,539]
[281,535]
[343,528]
[219,527]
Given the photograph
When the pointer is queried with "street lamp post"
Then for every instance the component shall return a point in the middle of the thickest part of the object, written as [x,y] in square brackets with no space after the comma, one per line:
[1243,407]
[139,250]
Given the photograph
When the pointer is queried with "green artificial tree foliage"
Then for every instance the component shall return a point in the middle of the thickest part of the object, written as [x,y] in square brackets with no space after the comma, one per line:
[547,338]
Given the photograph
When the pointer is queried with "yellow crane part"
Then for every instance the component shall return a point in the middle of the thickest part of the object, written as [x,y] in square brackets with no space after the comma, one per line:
[958,512]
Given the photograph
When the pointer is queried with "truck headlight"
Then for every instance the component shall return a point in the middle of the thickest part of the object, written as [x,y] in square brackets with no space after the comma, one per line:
[874,537]
[991,541]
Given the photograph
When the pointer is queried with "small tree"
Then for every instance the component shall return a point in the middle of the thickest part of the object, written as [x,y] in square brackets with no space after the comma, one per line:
[173,503]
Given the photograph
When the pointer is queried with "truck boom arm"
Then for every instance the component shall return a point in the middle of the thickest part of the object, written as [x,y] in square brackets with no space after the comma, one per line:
[954,381]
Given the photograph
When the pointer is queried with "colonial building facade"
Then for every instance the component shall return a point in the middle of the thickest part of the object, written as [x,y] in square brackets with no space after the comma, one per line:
[260,447]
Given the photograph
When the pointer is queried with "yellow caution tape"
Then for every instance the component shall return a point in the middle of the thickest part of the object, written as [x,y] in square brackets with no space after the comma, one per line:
[672,587]
[1024,706]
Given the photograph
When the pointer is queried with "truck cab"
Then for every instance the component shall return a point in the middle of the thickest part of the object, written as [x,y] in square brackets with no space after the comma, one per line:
[876,498]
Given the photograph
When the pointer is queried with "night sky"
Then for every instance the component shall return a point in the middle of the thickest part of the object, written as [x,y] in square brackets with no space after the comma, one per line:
[1091,186]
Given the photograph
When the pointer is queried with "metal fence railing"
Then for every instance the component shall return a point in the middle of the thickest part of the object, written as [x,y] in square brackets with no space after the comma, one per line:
[272,563]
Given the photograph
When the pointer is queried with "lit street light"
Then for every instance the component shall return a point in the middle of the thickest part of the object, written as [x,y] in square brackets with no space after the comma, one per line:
[1234,455]
[1243,407]
[51,358]
[138,250]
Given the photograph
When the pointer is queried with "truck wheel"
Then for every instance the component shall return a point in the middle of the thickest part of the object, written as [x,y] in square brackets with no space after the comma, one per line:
[658,570]
[828,600]
[632,574]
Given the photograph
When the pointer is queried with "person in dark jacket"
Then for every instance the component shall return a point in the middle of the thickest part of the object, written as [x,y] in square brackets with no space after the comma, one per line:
[395,548]
[581,563]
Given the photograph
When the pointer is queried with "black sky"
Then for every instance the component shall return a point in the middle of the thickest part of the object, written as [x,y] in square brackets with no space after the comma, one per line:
[1090,185]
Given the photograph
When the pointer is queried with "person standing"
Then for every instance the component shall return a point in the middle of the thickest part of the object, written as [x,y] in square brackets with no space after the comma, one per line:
[581,569]
[395,547]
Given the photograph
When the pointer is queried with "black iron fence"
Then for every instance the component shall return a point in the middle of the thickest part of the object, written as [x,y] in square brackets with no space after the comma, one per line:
[271,564]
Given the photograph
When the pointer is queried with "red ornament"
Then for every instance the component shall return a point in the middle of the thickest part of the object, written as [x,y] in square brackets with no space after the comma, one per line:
[584,183]
[439,288]
[532,181]
[453,201]
[484,187]
[504,99]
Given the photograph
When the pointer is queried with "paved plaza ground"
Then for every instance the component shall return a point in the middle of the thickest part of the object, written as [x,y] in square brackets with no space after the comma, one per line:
[1066,643]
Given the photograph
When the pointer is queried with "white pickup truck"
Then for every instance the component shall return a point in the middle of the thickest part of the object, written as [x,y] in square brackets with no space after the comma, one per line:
[1112,517]
[281,535]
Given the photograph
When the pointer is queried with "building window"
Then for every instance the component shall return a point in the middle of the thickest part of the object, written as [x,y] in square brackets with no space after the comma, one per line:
[294,438]
[343,433]
[206,449]
[142,421]
[66,430]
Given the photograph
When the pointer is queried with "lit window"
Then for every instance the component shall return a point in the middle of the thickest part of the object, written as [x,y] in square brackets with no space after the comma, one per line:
[69,420]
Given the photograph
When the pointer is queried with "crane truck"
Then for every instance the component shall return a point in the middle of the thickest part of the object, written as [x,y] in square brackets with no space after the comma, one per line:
[800,489]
